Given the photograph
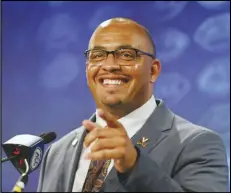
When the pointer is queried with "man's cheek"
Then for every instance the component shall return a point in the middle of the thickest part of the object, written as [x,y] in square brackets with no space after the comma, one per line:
[136,70]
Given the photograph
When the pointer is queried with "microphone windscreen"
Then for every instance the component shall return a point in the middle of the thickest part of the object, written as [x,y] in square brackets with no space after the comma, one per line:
[48,137]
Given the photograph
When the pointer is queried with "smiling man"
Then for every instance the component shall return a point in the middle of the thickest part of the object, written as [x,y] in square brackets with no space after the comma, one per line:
[121,66]
[133,142]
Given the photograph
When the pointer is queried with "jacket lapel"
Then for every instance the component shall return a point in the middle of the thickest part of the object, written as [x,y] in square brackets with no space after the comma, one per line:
[155,130]
[73,156]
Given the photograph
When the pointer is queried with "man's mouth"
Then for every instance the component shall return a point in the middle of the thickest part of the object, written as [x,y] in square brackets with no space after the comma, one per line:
[113,81]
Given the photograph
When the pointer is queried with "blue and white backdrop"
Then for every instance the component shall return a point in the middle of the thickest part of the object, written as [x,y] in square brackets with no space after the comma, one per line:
[43,67]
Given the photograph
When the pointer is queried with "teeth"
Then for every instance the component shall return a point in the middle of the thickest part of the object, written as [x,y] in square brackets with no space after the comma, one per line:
[108,81]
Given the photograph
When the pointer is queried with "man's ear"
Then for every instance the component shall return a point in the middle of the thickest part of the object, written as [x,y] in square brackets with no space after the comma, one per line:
[155,70]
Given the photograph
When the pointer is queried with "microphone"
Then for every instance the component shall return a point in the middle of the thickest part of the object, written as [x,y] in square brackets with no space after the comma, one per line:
[26,153]
[27,147]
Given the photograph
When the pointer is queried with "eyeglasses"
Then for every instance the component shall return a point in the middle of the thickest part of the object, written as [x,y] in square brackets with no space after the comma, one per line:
[124,54]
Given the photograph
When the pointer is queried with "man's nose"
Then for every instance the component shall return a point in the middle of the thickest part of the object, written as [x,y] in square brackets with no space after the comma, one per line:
[110,64]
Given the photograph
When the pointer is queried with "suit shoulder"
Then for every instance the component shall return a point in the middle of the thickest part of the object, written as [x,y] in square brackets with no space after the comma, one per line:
[189,130]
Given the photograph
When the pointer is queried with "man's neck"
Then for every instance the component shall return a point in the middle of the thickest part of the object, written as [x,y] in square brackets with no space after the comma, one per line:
[121,110]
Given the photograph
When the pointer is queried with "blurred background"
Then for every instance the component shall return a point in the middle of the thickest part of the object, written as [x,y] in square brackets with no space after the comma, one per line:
[43,67]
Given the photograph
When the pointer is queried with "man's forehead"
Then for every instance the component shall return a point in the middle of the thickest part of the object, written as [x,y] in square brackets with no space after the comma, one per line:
[114,41]
[118,27]
[114,34]
[120,31]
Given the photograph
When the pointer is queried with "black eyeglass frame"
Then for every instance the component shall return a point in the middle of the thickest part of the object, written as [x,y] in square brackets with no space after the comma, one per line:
[114,51]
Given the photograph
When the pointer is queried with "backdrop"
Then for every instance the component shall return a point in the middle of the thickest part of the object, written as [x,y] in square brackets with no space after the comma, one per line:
[43,67]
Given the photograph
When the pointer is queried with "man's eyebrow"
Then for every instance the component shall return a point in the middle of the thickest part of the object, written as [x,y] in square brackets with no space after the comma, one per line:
[117,48]
[98,48]
[124,46]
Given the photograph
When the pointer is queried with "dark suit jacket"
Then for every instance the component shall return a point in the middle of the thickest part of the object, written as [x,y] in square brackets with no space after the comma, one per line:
[179,157]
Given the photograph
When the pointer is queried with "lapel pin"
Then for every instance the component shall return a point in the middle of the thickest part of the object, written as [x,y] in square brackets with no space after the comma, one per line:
[75,141]
[143,142]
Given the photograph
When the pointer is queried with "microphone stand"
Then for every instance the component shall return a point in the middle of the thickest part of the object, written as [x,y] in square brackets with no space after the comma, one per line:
[22,181]
[8,158]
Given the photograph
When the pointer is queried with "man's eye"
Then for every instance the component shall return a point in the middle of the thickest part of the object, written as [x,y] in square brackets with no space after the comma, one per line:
[97,55]
[127,55]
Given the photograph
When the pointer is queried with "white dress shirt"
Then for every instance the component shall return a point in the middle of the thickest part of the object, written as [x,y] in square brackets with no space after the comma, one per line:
[132,122]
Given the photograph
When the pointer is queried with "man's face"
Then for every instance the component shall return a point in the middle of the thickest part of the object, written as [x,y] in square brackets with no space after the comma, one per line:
[114,82]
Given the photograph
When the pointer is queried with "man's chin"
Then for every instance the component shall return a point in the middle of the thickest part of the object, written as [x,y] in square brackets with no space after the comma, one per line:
[113,105]
[111,101]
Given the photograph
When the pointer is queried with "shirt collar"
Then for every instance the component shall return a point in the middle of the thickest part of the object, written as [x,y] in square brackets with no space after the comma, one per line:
[140,114]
